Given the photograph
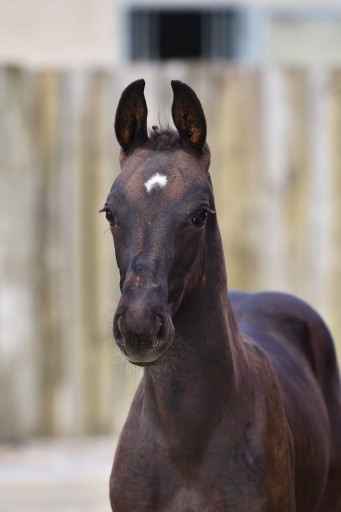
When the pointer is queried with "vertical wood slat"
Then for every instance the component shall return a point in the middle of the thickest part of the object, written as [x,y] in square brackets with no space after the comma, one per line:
[18,191]
[297,200]
[276,154]
[49,251]
[332,307]
[276,166]
[319,183]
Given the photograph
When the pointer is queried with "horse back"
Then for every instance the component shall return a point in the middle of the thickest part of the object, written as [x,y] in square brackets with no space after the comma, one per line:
[289,330]
[301,351]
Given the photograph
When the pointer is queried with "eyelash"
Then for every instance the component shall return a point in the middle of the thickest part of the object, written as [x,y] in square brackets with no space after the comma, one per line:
[108,215]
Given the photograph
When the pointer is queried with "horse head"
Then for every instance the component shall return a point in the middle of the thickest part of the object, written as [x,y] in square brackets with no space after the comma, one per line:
[159,209]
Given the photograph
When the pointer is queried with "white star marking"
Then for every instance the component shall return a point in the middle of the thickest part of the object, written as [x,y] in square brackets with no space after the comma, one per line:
[156,181]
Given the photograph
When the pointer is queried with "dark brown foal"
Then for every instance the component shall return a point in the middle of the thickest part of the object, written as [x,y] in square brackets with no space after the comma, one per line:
[239,406]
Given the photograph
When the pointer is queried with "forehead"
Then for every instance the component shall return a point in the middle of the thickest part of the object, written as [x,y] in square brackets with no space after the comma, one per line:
[167,174]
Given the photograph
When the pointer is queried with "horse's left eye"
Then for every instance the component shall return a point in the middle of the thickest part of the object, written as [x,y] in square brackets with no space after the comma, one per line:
[109,216]
[199,218]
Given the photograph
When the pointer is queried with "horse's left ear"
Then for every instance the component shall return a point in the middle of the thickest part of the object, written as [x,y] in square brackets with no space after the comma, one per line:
[131,117]
[188,116]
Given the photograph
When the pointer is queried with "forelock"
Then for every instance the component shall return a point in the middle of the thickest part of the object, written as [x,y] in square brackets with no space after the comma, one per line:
[161,139]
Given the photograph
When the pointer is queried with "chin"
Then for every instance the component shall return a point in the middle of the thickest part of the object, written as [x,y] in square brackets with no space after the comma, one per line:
[153,358]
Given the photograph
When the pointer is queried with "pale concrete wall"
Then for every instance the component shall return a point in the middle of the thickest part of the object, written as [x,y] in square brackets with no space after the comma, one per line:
[305,41]
[78,33]
[58,33]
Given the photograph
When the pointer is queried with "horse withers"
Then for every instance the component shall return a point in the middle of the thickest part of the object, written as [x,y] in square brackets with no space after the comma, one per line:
[239,406]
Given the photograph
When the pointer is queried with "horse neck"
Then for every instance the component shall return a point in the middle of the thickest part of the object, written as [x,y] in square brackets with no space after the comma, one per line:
[205,320]
[200,375]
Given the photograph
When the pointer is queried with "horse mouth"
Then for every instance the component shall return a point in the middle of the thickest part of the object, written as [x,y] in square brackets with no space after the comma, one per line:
[143,349]
[149,357]
[146,365]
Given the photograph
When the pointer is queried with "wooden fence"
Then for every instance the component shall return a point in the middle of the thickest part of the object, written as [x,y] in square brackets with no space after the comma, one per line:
[276,166]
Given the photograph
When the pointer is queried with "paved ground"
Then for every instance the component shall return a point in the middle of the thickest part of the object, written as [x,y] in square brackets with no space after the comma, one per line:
[51,476]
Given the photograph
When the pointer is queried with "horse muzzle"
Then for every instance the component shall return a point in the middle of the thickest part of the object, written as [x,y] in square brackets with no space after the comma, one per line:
[143,334]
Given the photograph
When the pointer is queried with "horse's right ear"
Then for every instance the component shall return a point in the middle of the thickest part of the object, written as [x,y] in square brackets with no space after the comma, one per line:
[131,117]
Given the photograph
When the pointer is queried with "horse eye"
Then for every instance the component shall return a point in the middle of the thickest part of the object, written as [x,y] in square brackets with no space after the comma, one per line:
[109,216]
[199,218]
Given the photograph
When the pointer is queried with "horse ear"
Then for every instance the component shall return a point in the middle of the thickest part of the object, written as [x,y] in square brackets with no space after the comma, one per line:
[188,116]
[131,117]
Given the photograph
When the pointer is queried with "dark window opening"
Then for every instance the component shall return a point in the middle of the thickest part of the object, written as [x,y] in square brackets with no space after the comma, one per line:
[160,34]
[180,35]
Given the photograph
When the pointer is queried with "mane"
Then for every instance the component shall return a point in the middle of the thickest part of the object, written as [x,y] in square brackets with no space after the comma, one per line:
[163,138]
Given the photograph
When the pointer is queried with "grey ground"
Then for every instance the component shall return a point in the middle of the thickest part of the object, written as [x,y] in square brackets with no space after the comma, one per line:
[51,476]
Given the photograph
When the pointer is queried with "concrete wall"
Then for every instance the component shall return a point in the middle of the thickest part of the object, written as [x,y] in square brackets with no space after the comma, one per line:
[63,33]
[93,33]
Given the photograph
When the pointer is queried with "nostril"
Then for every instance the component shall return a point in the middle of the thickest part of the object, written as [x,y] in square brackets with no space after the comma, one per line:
[117,327]
[160,330]
[159,324]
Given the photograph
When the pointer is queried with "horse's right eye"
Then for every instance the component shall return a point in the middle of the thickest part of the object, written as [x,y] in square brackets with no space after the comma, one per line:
[109,216]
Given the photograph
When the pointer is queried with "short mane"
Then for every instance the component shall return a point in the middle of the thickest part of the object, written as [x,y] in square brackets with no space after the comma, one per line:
[163,138]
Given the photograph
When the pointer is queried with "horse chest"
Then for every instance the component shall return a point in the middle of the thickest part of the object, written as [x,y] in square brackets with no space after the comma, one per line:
[195,497]
[189,499]
[200,498]
[219,484]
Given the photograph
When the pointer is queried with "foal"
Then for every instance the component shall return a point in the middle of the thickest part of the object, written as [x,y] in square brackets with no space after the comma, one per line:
[239,405]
